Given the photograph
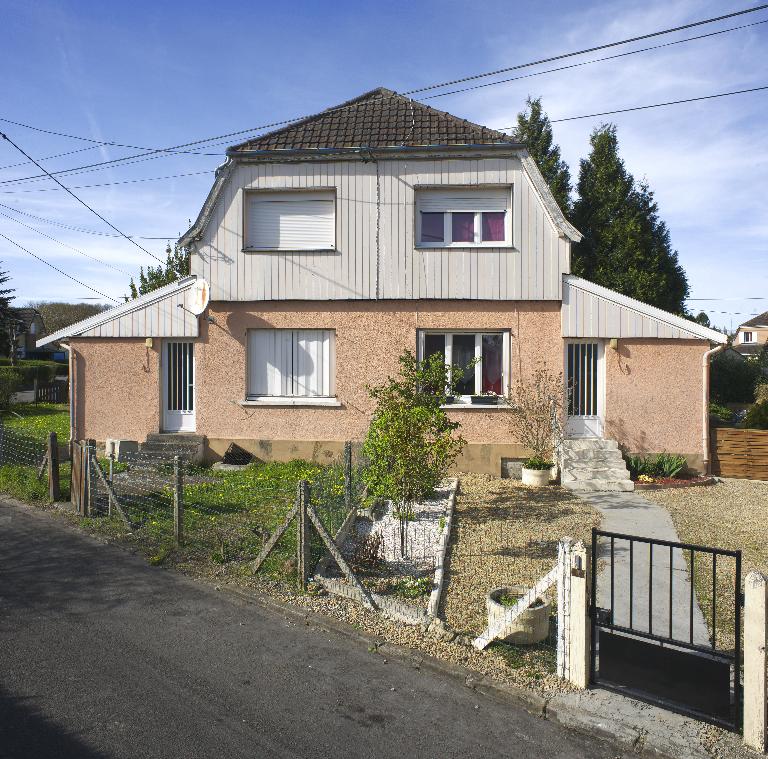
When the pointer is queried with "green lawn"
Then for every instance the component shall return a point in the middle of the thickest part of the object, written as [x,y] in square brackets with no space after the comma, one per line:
[36,420]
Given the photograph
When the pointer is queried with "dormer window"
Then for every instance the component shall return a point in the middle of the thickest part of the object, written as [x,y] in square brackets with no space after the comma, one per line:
[747,337]
[461,218]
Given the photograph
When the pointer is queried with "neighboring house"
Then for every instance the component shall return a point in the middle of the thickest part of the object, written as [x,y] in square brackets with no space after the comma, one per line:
[28,327]
[752,336]
[338,242]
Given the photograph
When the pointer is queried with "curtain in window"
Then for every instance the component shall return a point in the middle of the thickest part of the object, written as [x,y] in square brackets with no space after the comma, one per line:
[493,226]
[463,227]
[492,363]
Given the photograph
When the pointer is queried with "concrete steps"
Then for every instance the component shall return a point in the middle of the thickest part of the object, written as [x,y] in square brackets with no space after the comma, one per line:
[593,465]
[163,447]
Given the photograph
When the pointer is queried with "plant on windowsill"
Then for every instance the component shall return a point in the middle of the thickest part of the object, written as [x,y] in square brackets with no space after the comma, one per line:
[485,399]
[536,422]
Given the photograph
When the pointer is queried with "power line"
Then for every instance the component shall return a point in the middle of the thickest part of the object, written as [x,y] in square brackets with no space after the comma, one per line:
[108,184]
[156,153]
[656,105]
[83,230]
[595,60]
[79,200]
[64,245]
[56,268]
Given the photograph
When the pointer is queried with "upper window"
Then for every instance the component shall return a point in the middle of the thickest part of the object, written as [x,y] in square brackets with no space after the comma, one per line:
[747,337]
[463,217]
[290,363]
[290,220]
[460,349]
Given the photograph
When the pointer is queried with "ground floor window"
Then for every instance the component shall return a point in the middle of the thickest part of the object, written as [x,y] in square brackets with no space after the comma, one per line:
[491,349]
[290,363]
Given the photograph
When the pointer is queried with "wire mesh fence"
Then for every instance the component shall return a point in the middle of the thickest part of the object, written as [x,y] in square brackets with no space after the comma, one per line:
[23,471]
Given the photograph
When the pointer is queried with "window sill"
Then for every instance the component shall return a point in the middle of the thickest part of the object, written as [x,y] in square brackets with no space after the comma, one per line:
[467,246]
[287,401]
[289,250]
[474,407]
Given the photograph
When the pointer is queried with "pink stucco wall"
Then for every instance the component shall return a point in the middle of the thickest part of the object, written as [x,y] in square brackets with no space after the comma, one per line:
[369,339]
[117,388]
[653,395]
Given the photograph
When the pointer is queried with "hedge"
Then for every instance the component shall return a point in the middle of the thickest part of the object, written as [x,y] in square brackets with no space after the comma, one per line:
[32,369]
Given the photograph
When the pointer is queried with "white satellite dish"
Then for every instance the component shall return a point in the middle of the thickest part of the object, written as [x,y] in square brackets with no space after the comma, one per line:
[199,295]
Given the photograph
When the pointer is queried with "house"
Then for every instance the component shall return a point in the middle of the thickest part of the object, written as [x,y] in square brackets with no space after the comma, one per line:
[752,336]
[27,327]
[332,245]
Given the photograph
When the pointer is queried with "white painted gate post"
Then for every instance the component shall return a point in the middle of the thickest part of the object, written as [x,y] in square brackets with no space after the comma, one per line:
[755,643]
[564,551]
[580,625]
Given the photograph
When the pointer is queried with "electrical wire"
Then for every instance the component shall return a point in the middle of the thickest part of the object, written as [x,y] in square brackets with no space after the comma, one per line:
[156,153]
[60,271]
[107,184]
[82,230]
[65,245]
[79,200]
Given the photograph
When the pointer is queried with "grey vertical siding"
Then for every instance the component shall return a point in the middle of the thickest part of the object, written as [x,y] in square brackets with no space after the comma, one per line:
[531,269]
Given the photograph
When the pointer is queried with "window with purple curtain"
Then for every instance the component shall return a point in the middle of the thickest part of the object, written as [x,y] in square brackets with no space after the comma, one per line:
[432,229]
[492,363]
[493,226]
[462,227]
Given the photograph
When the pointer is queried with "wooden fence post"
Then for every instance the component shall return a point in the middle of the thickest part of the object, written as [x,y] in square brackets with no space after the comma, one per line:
[54,489]
[580,627]
[347,476]
[755,660]
[303,554]
[178,502]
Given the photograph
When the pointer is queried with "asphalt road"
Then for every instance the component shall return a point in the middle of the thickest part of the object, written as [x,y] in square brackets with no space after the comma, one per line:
[102,655]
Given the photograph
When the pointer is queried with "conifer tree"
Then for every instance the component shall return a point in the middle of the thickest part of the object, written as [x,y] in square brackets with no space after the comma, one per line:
[626,246]
[534,130]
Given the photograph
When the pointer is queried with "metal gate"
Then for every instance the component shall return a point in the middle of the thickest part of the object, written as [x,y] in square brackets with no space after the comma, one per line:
[650,637]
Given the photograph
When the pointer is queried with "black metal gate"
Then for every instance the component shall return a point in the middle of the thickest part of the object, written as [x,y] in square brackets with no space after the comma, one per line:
[666,624]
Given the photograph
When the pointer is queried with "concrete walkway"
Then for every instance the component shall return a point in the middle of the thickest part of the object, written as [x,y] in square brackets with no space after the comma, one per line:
[631,514]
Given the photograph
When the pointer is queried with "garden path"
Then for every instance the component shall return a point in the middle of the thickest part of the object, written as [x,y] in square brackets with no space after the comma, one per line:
[631,514]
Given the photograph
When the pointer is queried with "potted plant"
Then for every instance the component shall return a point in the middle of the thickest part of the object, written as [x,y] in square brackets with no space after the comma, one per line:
[536,422]
[531,627]
[485,399]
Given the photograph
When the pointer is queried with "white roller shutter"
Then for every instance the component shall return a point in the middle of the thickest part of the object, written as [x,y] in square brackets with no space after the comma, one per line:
[290,221]
[290,363]
[483,199]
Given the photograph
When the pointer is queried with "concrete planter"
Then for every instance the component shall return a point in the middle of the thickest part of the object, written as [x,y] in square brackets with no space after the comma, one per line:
[531,627]
[537,478]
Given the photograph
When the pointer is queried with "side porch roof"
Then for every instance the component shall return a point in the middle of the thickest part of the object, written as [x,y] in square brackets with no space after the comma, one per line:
[590,310]
[160,313]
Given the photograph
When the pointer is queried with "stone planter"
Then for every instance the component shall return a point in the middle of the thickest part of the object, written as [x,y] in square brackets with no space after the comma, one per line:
[537,478]
[531,627]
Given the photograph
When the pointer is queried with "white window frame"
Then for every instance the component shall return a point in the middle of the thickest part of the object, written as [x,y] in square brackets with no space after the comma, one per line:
[448,212]
[253,398]
[449,335]
[315,193]
[748,336]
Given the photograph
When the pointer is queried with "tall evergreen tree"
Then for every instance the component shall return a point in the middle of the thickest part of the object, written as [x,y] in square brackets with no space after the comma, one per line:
[626,246]
[535,131]
[176,266]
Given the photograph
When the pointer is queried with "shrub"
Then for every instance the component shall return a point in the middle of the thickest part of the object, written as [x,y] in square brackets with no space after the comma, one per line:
[733,381]
[757,417]
[32,369]
[411,443]
[761,392]
[722,413]
[661,465]
[536,403]
[10,382]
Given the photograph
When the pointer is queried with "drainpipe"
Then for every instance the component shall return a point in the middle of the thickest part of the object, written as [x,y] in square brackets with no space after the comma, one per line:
[705,404]
[71,358]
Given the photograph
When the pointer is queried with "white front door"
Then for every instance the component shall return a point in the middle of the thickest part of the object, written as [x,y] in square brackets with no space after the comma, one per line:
[585,387]
[178,386]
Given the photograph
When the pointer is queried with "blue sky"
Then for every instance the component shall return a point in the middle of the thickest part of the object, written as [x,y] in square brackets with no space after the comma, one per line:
[160,74]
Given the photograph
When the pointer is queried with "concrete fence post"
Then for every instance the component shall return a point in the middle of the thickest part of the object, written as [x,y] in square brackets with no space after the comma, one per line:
[178,502]
[755,660]
[564,552]
[579,629]
[303,553]
[54,488]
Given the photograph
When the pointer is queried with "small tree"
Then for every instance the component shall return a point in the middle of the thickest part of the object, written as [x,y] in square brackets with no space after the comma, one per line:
[537,415]
[411,442]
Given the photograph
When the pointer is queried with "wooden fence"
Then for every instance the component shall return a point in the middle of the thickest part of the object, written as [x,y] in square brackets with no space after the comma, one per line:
[740,453]
[56,392]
